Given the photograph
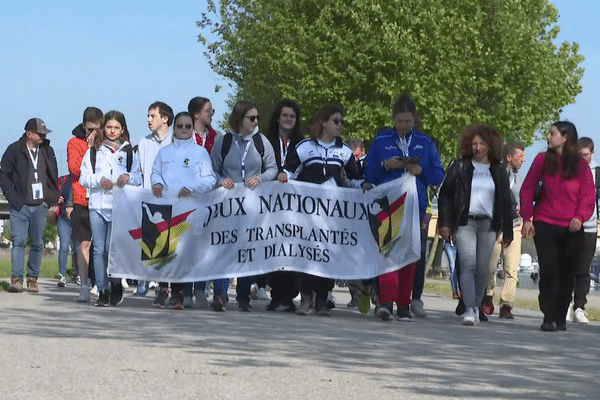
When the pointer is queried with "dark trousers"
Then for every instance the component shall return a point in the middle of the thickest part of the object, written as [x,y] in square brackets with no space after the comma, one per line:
[311,283]
[558,252]
[175,287]
[284,286]
[419,278]
[582,273]
[261,280]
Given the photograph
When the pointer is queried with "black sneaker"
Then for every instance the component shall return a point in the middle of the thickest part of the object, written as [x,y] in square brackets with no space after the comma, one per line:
[460,307]
[482,316]
[116,293]
[176,303]
[161,298]
[322,308]
[103,298]
[290,307]
[272,306]
[548,327]
[244,306]
[404,314]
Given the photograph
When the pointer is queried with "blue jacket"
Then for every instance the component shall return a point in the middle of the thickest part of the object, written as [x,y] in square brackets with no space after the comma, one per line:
[385,146]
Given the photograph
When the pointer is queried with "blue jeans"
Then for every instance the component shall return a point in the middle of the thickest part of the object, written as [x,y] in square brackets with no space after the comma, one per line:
[28,222]
[64,233]
[475,242]
[220,287]
[451,252]
[101,230]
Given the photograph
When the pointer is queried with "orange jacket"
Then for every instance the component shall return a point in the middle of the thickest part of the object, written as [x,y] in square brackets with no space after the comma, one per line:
[76,149]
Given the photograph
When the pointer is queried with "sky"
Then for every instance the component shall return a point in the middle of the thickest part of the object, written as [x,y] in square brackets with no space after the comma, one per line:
[56,58]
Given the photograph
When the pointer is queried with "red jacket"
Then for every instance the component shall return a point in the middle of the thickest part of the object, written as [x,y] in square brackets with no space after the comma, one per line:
[76,149]
[210,139]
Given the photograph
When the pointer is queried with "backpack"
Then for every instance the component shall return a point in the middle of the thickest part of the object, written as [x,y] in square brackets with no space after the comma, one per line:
[258,144]
[597,183]
[128,150]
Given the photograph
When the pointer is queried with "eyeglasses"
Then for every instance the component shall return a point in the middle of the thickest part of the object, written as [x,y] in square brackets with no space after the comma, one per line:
[252,118]
[186,126]
[338,121]
[92,130]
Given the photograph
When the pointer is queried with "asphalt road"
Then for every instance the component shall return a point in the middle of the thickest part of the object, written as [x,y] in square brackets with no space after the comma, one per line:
[54,348]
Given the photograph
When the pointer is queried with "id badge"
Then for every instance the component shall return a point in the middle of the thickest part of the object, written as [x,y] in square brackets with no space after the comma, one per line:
[38,191]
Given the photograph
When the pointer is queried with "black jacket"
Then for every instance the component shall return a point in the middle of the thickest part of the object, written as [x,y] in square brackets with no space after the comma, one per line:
[455,197]
[16,167]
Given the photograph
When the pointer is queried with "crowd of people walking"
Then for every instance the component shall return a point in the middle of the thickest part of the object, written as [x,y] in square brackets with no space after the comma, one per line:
[484,207]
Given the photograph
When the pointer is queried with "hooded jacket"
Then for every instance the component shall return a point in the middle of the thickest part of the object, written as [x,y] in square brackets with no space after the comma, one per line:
[76,149]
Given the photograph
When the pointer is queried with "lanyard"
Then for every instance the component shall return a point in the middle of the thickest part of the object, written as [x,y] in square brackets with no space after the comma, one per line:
[34,161]
[324,159]
[283,150]
[403,144]
[244,155]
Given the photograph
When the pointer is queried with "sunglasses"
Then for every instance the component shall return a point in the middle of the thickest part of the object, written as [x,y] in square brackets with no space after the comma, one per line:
[186,126]
[338,121]
[91,130]
[252,118]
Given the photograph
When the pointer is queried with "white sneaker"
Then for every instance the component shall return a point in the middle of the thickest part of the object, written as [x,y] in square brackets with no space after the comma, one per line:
[471,317]
[152,285]
[94,291]
[124,283]
[262,295]
[254,291]
[330,300]
[62,281]
[570,313]
[417,308]
[579,317]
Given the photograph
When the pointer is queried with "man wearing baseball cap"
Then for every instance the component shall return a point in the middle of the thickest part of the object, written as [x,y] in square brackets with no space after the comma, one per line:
[29,180]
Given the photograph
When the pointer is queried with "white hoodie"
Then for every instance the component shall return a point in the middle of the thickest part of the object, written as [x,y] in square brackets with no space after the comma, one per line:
[109,165]
[183,164]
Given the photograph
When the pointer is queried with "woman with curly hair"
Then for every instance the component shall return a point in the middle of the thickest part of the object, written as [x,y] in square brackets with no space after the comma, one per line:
[474,206]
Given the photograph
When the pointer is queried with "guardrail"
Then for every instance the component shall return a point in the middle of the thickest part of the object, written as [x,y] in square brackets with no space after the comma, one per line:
[4,209]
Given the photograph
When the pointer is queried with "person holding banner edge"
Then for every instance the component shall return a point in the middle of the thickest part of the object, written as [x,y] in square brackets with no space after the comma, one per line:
[236,159]
[394,152]
[323,159]
[284,132]
[184,168]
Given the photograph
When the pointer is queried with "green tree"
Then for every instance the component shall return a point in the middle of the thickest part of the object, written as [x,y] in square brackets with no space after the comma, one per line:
[489,60]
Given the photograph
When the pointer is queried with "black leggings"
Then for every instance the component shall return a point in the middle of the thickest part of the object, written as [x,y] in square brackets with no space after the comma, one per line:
[558,252]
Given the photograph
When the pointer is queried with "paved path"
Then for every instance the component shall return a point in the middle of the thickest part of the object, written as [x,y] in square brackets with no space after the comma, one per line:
[53,348]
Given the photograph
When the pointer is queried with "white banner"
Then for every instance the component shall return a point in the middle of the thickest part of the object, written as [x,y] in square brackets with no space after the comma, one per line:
[327,231]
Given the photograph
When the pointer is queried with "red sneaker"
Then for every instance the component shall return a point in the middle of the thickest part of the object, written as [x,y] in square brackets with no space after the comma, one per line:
[488,305]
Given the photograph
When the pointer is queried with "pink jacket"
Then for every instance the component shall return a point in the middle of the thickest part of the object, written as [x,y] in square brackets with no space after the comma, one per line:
[562,200]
